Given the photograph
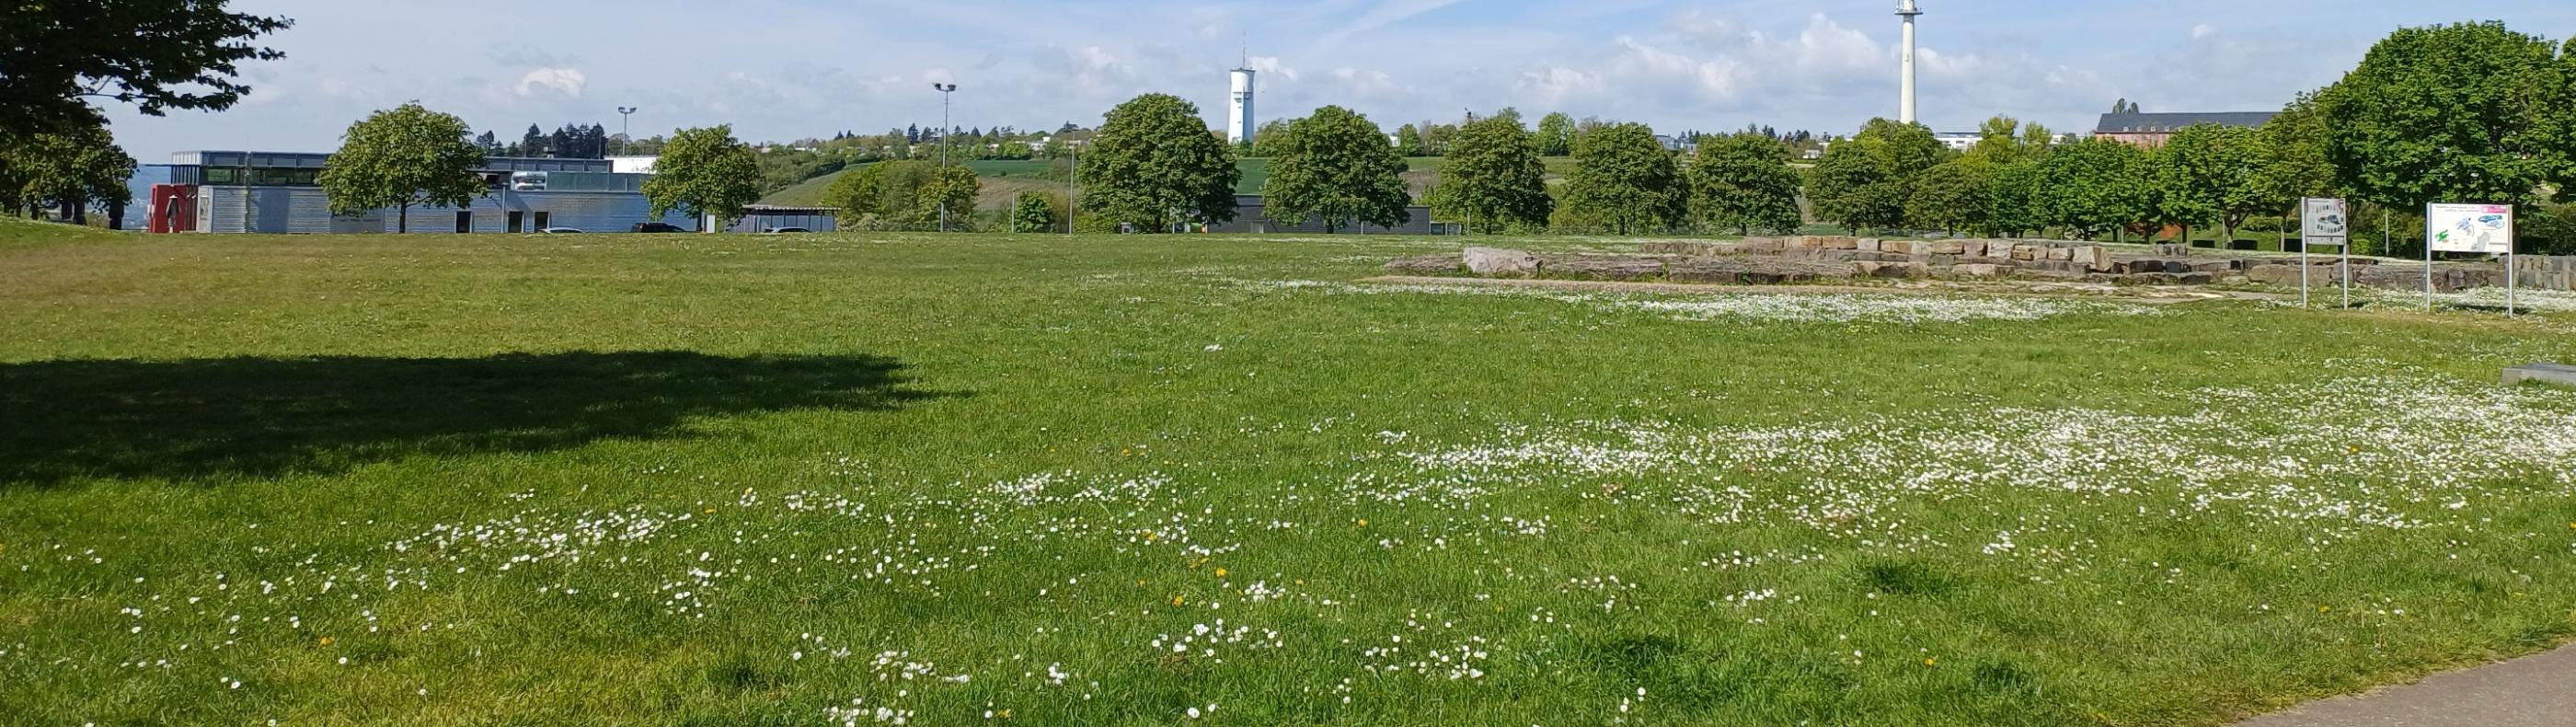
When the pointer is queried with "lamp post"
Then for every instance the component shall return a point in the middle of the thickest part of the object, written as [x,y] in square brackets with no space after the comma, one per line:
[624,130]
[944,89]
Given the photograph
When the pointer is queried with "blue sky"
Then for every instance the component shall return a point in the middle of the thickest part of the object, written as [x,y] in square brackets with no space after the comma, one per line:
[787,69]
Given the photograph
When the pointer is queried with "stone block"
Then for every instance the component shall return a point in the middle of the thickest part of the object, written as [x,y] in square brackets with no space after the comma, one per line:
[2061,253]
[1949,247]
[1498,261]
[1760,244]
[2027,251]
[1839,243]
[1868,244]
[2541,372]
[1977,270]
[1900,247]
[1973,248]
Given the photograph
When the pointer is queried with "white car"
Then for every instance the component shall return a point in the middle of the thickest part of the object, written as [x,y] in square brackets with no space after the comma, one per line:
[559,231]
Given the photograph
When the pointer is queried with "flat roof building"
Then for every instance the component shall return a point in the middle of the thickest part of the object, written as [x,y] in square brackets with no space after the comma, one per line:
[280,192]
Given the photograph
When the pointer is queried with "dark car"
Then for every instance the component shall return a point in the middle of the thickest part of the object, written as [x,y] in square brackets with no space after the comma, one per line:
[657,227]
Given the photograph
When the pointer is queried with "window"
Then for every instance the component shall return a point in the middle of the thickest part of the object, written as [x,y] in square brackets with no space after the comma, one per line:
[514,221]
[271,177]
[464,221]
[222,175]
[542,222]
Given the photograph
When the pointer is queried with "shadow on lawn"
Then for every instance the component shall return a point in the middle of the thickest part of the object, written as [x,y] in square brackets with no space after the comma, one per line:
[61,420]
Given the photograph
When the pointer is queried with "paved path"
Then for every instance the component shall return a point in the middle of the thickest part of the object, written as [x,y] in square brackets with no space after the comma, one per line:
[2533,691]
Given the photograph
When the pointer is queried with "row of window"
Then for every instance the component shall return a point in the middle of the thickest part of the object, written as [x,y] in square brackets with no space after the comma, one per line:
[262,176]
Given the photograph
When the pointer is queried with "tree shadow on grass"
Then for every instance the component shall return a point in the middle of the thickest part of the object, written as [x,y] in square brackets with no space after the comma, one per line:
[201,418]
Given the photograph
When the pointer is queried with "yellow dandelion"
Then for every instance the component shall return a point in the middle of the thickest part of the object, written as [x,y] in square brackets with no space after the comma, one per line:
[711,511]
[1927,661]
[325,641]
[1220,572]
[2323,609]
[1363,522]
[1176,600]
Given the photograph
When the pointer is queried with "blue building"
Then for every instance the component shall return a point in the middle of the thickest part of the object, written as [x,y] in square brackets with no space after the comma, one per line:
[279,192]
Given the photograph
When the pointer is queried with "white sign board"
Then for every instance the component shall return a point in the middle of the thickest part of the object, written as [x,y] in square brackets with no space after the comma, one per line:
[2484,229]
[2323,222]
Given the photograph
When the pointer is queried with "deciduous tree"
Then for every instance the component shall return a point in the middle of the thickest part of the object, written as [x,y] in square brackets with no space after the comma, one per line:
[2206,173]
[2463,113]
[704,172]
[1338,168]
[952,189]
[400,158]
[1627,181]
[154,54]
[1153,163]
[1556,135]
[1494,177]
[1743,181]
[1851,187]
[1034,212]
[2091,187]
[1954,195]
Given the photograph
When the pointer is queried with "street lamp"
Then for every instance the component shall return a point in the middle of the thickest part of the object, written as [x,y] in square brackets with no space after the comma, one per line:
[944,89]
[624,131]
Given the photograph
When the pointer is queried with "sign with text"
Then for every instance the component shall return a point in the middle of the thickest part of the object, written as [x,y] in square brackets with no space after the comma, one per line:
[2323,222]
[2484,229]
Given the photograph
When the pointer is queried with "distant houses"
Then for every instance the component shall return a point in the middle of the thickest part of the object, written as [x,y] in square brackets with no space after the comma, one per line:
[2149,131]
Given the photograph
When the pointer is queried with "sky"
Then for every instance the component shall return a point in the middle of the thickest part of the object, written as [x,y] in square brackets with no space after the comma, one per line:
[783,70]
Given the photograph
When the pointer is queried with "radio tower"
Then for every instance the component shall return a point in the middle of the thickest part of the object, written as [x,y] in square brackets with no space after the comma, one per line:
[1905,78]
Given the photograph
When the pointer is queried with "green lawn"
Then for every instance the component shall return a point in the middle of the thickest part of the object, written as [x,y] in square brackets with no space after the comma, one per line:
[723,480]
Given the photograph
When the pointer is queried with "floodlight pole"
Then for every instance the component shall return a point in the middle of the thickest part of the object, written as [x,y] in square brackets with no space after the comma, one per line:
[944,89]
[625,129]
[1072,187]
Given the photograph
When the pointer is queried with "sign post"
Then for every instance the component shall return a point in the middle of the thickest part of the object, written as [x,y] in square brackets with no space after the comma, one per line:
[2481,229]
[2324,221]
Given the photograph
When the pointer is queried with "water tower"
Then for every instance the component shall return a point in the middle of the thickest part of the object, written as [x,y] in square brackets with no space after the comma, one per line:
[1238,119]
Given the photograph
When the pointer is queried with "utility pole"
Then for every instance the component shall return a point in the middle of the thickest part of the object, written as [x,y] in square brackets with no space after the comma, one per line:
[944,89]
[625,130]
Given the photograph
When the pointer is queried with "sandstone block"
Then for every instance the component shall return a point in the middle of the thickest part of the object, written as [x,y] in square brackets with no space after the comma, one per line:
[1498,261]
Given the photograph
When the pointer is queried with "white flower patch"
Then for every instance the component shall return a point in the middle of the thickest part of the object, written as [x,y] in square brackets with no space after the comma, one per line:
[1783,305]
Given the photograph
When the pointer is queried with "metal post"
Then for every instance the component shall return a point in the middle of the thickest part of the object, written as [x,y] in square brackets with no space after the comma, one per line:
[625,129]
[2510,284]
[944,123]
[1072,187]
[2428,258]
[2347,266]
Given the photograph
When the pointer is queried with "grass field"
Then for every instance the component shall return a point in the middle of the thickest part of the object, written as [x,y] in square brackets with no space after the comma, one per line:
[786,480]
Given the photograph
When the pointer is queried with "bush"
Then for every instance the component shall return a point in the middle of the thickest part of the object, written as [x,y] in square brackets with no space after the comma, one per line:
[2550,231]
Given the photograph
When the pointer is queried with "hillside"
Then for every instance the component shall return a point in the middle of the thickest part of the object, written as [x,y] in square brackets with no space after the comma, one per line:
[1005,180]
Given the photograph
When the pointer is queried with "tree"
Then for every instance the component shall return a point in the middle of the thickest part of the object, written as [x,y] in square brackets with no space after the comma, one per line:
[1852,187]
[1035,212]
[400,158]
[1902,150]
[2091,187]
[1625,179]
[1408,141]
[1271,140]
[1744,181]
[951,190]
[857,195]
[154,54]
[2012,198]
[1338,168]
[533,144]
[2290,156]
[2464,113]
[1556,135]
[71,169]
[706,173]
[1953,195]
[1153,163]
[1493,175]
[2205,173]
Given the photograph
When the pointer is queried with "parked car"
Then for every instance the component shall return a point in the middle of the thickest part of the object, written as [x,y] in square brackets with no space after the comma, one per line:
[786,230]
[559,231]
[657,227]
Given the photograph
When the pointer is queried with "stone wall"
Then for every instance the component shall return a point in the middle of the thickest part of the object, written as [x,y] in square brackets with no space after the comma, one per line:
[1823,258]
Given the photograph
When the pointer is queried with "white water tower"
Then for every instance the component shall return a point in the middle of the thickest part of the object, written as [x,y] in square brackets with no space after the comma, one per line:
[1238,120]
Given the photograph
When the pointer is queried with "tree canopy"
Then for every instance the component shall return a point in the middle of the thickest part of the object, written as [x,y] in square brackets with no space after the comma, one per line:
[1153,163]
[1852,187]
[154,54]
[2207,173]
[1340,169]
[1556,134]
[2091,187]
[2464,113]
[704,172]
[1743,181]
[1493,176]
[73,168]
[1952,196]
[1624,179]
[398,158]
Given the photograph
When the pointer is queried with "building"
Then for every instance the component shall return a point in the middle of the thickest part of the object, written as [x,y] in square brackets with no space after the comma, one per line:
[1958,141]
[632,164]
[2150,131]
[1238,117]
[280,192]
[1249,217]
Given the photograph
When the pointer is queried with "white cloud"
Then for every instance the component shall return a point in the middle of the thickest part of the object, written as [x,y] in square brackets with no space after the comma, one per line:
[566,81]
[2203,30]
